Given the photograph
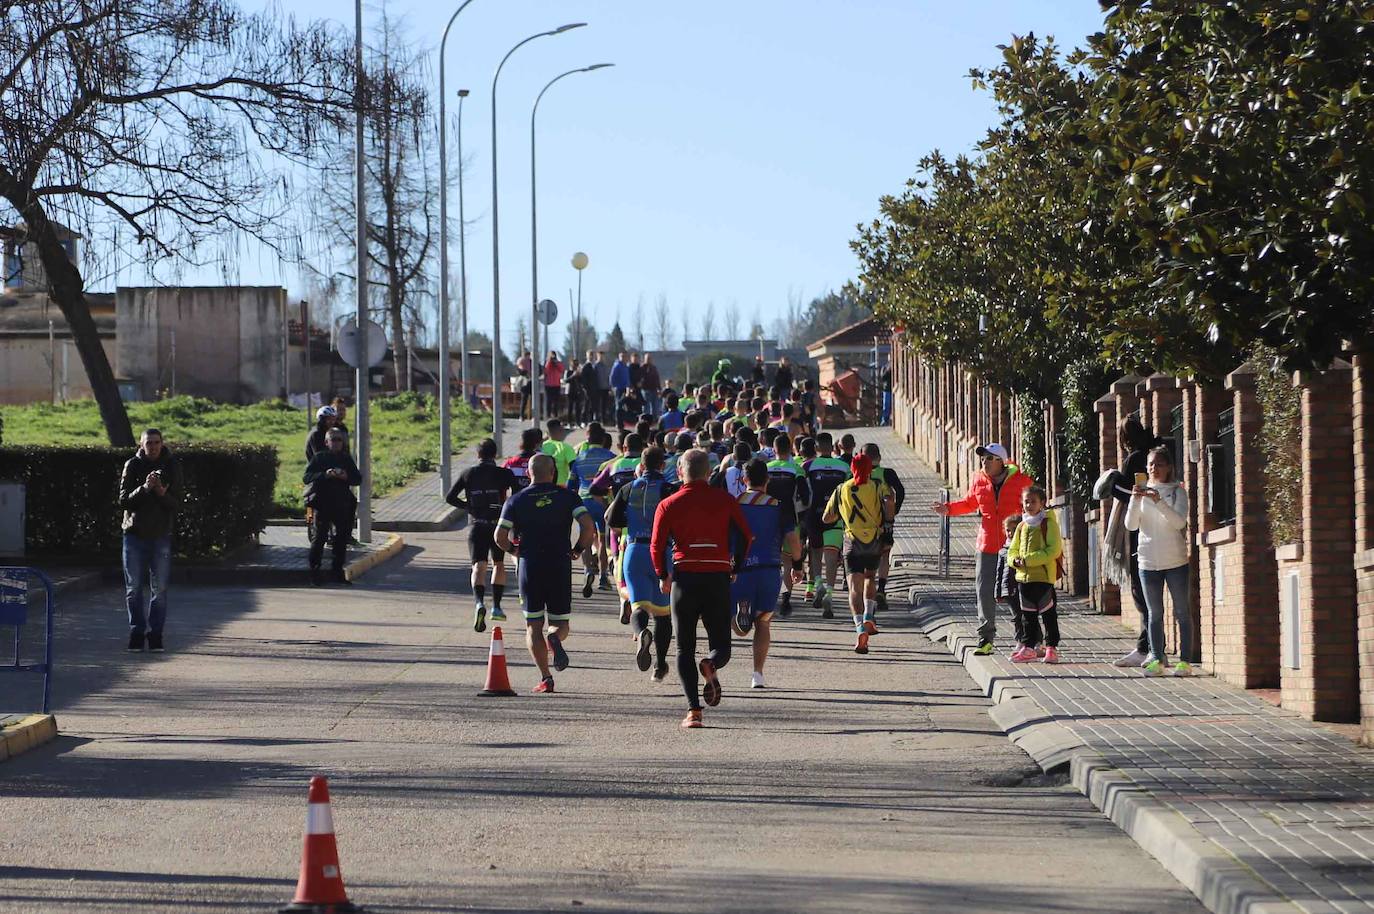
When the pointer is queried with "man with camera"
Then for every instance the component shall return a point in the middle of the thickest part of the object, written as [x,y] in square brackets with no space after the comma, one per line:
[149,490]
[328,478]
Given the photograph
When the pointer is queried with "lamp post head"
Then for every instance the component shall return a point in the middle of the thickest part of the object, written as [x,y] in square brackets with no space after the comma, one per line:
[597,66]
[566,28]
[463,93]
[579,261]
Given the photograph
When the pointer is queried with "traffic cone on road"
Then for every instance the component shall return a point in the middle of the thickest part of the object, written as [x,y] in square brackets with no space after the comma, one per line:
[498,682]
[321,888]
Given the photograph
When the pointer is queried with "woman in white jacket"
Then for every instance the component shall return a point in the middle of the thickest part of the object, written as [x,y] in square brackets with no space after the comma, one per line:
[1159,511]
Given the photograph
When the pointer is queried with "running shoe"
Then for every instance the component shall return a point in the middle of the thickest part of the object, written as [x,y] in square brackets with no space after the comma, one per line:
[810,593]
[560,656]
[1024,654]
[1182,668]
[828,612]
[817,596]
[604,583]
[660,671]
[1152,668]
[882,601]
[587,587]
[498,614]
[744,619]
[479,618]
[1133,659]
[1040,650]
[785,608]
[624,612]
[135,644]
[861,645]
[545,686]
[710,691]
[756,680]
[984,648]
[642,658]
[693,720]
[870,626]
[1051,655]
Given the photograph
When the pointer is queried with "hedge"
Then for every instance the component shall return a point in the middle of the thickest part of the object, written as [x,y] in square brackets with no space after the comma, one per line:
[72,496]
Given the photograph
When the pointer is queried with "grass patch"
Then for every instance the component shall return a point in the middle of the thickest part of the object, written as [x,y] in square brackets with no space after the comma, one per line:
[405,433]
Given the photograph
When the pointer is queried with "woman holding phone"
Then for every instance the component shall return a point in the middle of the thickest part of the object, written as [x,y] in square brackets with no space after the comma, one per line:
[1158,513]
[1135,441]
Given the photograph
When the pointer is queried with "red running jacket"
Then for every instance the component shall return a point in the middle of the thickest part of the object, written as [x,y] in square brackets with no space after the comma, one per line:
[995,506]
[697,518]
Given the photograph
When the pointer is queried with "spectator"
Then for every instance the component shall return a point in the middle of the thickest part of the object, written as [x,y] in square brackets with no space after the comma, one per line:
[149,492]
[886,384]
[722,373]
[759,373]
[651,385]
[1135,441]
[1158,514]
[553,382]
[783,376]
[340,416]
[620,383]
[328,478]
[603,388]
[636,370]
[589,380]
[524,365]
[325,418]
[572,392]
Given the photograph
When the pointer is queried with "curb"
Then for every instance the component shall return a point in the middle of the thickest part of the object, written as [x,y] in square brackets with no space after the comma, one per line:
[1220,881]
[355,570]
[29,733]
[437,524]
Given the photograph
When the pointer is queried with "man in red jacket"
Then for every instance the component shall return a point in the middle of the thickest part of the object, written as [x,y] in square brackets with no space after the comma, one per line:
[710,540]
[995,493]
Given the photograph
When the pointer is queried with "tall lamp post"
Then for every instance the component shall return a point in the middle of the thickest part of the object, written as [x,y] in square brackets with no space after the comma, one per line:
[534,224]
[462,253]
[445,441]
[579,263]
[497,418]
[361,418]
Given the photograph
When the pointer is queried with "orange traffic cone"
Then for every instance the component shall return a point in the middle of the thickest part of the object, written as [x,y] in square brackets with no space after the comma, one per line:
[498,683]
[320,889]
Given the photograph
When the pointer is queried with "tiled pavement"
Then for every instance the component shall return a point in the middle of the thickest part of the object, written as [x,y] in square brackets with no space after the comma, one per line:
[419,505]
[1251,807]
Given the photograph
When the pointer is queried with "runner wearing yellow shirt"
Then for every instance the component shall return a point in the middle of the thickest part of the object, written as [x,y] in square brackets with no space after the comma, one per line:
[562,453]
[864,505]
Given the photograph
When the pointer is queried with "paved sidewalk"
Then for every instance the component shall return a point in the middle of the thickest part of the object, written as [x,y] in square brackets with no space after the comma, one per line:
[1252,808]
[418,506]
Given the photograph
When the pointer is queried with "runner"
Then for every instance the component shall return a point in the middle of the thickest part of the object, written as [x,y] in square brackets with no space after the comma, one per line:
[632,510]
[614,476]
[863,505]
[888,476]
[824,474]
[698,520]
[771,556]
[592,455]
[487,486]
[994,493]
[787,483]
[562,453]
[531,440]
[534,528]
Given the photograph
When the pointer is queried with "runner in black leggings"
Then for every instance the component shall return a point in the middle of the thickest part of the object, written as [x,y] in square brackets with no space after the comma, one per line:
[710,540]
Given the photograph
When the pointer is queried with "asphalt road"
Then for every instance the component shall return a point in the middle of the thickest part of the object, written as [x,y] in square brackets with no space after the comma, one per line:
[869,784]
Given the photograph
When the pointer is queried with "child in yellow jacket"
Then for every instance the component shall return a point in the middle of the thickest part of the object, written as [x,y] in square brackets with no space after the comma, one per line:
[1034,553]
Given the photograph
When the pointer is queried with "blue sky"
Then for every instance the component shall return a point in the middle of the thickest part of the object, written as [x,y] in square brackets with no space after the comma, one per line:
[730,153]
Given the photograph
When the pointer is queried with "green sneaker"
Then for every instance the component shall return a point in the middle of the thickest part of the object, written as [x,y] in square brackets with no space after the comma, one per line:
[1152,668]
[498,614]
[1182,669]
[479,618]
[984,649]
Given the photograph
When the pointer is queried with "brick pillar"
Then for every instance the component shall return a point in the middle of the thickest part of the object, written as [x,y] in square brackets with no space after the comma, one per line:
[1009,429]
[1127,402]
[1326,684]
[1105,596]
[1162,395]
[1247,616]
[1200,415]
[1363,430]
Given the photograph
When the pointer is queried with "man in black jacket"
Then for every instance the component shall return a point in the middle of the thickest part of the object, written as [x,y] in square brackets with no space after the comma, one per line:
[328,478]
[149,490]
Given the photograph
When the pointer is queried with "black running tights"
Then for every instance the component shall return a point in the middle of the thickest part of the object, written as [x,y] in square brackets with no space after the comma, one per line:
[704,597]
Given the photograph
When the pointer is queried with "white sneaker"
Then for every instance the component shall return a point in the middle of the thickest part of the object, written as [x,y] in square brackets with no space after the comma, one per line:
[1133,659]
[756,681]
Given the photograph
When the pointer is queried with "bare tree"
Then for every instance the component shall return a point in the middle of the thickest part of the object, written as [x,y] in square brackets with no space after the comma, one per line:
[158,116]
[732,318]
[402,188]
[708,321]
[686,316]
[638,323]
[663,320]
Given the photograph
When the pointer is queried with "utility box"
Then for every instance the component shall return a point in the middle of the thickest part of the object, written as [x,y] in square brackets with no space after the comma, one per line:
[11,518]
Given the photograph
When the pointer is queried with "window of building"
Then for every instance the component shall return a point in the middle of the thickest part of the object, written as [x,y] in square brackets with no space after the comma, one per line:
[1177,438]
[14,266]
[1221,470]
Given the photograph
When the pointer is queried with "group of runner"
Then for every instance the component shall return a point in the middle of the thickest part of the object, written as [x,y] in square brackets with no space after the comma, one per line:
[706,515]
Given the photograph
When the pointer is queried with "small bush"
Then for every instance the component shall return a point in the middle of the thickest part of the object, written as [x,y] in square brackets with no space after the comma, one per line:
[72,497]
[1281,407]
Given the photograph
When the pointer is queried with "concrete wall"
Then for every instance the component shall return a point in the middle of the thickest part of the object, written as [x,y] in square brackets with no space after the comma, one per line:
[25,376]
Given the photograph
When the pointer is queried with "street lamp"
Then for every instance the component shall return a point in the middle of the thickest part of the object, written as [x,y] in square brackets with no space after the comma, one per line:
[361,419]
[497,419]
[462,251]
[579,263]
[534,228]
[445,443]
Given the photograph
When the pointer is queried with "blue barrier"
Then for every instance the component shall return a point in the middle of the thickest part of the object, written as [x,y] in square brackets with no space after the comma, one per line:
[14,610]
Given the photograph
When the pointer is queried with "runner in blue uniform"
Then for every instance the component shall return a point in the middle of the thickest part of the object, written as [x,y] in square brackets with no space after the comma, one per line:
[614,476]
[592,455]
[756,588]
[534,528]
[632,510]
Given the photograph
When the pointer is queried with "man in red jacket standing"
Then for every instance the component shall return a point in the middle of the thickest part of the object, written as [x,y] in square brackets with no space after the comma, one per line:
[710,540]
[994,492]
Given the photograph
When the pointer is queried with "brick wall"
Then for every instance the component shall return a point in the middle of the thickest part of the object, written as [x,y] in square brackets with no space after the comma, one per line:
[1362,427]
[1103,594]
